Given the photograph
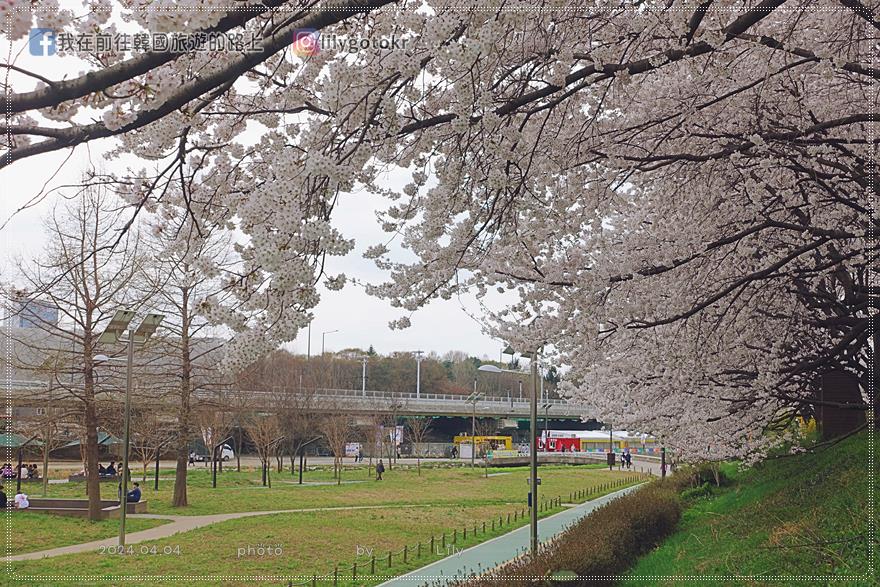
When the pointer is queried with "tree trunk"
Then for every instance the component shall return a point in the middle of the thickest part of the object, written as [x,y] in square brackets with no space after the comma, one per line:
[179,497]
[93,483]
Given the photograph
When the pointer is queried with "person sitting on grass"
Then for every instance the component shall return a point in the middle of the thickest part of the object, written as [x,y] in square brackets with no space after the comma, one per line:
[2,498]
[380,468]
[134,495]
[110,471]
[21,501]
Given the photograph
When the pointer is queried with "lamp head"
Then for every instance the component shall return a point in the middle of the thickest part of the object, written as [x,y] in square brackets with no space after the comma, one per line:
[117,326]
[148,327]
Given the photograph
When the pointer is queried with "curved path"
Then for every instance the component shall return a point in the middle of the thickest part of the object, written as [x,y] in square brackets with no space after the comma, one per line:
[184,524]
[488,555]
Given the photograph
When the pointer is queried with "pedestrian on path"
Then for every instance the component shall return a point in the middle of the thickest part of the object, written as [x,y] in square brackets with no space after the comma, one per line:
[380,468]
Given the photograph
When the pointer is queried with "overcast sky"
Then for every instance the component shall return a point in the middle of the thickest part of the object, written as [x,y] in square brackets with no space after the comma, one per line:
[361,319]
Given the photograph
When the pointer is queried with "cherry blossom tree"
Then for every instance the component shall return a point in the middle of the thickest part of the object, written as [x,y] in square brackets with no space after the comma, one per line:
[679,194]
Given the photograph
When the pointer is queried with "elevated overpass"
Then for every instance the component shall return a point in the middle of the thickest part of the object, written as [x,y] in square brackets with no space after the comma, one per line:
[37,394]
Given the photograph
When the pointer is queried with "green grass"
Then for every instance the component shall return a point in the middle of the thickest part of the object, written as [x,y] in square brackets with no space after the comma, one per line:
[799,515]
[242,491]
[312,543]
[32,531]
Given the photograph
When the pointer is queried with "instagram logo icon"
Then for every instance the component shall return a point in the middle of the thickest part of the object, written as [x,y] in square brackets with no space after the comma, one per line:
[306,42]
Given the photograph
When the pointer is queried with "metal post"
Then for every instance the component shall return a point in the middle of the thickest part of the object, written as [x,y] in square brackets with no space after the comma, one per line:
[533,455]
[364,377]
[18,471]
[474,427]
[156,478]
[123,498]
[418,355]
[309,343]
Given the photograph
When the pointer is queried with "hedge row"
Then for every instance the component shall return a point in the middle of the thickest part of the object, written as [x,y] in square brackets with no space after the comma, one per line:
[602,544]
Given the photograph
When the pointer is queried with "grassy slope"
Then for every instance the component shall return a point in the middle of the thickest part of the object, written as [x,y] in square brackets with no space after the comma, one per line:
[804,515]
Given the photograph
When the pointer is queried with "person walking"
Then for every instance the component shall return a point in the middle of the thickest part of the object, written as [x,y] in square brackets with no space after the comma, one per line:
[611,459]
[380,468]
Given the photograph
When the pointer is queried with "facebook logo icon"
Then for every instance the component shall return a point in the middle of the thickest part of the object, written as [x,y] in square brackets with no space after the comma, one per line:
[41,42]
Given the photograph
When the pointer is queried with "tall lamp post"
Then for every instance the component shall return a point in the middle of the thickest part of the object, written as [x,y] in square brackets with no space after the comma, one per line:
[118,330]
[546,407]
[323,338]
[364,375]
[419,359]
[533,452]
[473,399]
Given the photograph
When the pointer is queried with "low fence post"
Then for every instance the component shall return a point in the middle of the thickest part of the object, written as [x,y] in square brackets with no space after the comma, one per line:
[373,565]
[464,533]
[389,559]
[455,536]
[354,571]
[444,541]
[404,553]
[335,575]
[432,545]
[419,550]
[314,580]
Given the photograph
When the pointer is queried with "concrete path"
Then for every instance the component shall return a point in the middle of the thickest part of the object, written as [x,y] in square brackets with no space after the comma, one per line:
[490,554]
[184,524]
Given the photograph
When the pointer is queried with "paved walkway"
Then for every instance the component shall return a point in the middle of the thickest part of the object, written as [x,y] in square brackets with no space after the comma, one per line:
[184,524]
[490,554]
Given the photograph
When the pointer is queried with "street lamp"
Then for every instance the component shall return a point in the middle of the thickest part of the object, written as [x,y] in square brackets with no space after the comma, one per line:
[546,407]
[473,399]
[419,359]
[364,375]
[533,453]
[323,337]
[119,330]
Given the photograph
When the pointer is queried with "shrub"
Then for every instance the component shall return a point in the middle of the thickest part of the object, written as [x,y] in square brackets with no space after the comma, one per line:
[693,476]
[703,490]
[603,543]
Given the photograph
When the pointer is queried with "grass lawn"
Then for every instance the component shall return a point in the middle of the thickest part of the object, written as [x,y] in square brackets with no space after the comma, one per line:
[800,515]
[242,491]
[313,543]
[31,531]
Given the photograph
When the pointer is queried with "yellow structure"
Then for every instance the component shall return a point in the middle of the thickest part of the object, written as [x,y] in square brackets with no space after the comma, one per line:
[493,442]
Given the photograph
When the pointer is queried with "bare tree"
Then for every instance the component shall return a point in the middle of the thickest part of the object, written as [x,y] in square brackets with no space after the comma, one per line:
[337,428]
[264,431]
[84,273]
[187,263]
[215,420]
[418,430]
